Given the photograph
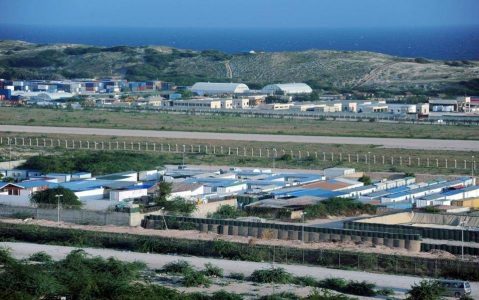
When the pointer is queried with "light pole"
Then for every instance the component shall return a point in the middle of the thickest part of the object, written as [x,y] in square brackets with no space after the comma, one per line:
[369,162]
[58,207]
[462,223]
[274,157]
[302,227]
[163,216]
[472,166]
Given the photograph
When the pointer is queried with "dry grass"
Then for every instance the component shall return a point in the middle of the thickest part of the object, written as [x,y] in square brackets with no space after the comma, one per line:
[229,123]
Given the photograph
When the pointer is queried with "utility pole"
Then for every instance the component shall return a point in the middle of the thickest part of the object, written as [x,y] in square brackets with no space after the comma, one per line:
[163,216]
[472,166]
[58,207]
[302,227]
[462,223]
[369,162]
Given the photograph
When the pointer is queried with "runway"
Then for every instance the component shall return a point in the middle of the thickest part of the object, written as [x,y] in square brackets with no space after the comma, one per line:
[420,144]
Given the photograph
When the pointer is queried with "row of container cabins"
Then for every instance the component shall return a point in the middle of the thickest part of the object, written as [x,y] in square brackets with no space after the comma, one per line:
[401,193]
[8,87]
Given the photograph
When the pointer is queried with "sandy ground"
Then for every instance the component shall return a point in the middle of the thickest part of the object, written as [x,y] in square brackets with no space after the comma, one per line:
[425,144]
[195,235]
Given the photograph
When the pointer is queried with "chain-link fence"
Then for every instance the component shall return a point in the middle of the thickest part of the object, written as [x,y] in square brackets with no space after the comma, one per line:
[367,160]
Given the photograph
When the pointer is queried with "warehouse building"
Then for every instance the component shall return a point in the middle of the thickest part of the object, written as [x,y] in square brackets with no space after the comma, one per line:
[287,88]
[218,88]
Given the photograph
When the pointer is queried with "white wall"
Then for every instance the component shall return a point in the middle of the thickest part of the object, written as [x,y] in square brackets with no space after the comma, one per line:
[148,175]
[119,195]
[94,194]
[232,189]
[188,194]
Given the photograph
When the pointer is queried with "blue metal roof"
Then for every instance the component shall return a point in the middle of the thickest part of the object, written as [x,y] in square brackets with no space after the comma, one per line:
[308,192]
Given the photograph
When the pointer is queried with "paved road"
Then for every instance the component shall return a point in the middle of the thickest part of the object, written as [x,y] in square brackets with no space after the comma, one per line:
[426,144]
[399,283]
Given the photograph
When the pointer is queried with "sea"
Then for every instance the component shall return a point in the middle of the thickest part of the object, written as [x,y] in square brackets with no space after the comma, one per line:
[444,43]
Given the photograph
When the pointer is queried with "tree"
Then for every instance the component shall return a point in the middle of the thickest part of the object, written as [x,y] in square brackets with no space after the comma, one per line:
[426,290]
[365,179]
[164,191]
[49,197]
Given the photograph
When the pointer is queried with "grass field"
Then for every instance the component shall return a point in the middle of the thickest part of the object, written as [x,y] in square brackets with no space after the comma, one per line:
[305,162]
[229,123]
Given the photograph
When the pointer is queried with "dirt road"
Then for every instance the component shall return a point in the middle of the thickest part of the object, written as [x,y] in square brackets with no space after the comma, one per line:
[425,144]
[400,284]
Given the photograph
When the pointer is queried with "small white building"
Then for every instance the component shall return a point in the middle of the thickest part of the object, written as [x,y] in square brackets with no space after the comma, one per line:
[61,177]
[186,190]
[401,109]
[241,103]
[20,193]
[128,193]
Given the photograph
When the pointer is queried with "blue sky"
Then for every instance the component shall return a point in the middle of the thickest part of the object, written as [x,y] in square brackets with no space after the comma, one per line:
[241,13]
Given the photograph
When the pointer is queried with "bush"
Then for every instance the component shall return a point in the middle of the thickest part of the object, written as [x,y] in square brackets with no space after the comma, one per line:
[237,276]
[177,267]
[281,296]
[273,275]
[365,179]
[224,295]
[49,197]
[40,257]
[306,281]
[195,278]
[333,283]
[426,290]
[338,207]
[226,212]
[326,295]
[212,270]
[385,292]
[22,215]
[360,288]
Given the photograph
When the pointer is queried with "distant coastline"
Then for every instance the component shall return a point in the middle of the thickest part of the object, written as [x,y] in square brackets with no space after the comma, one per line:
[458,43]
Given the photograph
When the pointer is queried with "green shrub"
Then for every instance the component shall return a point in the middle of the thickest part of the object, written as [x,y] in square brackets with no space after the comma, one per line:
[237,276]
[212,270]
[325,294]
[227,212]
[425,290]
[360,288]
[22,215]
[177,267]
[49,197]
[305,281]
[385,292]
[273,275]
[224,295]
[281,296]
[40,257]
[194,278]
[333,283]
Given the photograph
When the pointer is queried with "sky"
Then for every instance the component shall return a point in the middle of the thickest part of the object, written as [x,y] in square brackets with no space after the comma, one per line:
[241,13]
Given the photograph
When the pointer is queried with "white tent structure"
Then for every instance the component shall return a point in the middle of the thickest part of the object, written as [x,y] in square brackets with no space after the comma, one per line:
[288,88]
[218,88]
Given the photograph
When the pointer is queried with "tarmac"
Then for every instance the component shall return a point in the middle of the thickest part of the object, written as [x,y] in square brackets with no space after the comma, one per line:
[420,144]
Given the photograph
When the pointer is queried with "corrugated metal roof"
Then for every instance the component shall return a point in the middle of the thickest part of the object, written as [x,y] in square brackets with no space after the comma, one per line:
[290,88]
[219,87]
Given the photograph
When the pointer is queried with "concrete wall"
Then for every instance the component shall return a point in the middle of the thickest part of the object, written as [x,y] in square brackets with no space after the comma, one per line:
[393,219]
[77,216]
[204,208]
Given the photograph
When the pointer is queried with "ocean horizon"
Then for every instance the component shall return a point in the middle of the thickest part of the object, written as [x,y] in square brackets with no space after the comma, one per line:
[448,43]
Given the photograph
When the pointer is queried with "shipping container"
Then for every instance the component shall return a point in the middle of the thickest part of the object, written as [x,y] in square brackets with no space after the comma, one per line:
[473,203]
